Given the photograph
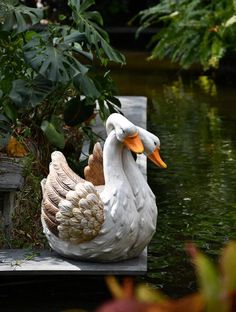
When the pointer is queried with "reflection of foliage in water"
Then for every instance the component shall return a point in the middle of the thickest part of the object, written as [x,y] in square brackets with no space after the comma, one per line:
[196,195]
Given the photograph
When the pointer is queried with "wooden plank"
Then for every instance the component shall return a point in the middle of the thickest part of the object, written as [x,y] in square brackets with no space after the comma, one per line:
[21,262]
[10,174]
[45,262]
[11,180]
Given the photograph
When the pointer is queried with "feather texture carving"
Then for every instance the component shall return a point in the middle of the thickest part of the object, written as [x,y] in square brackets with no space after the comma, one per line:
[60,180]
[80,215]
[94,171]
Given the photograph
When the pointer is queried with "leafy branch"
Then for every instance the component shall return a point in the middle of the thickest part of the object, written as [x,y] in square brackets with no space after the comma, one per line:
[90,23]
[15,16]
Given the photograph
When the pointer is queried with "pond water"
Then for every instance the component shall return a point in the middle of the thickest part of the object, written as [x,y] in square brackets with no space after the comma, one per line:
[196,195]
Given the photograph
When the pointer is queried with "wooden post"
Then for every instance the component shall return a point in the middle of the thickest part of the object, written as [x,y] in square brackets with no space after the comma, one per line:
[8,208]
[11,180]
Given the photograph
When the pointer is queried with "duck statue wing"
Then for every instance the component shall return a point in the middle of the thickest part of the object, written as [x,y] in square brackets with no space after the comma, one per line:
[80,215]
[60,180]
[94,171]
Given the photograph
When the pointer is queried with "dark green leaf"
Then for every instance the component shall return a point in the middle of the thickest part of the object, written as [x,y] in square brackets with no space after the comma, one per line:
[4,118]
[90,23]
[54,137]
[104,111]
[62,17]
[86,86]
[112,107]
[10,111]
[76,111]
[112,54]
[30,93]
[85,4]
[95,16]
[57,122]
[86,54]
[30,34]
[74,36]
[114,100]
[55,62]
[17,17]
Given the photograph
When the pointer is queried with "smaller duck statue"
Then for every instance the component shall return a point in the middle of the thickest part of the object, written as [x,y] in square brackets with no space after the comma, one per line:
[111,214]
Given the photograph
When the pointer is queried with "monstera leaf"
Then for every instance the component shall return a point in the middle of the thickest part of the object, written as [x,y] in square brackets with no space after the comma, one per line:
[15,16]
[30,93]
[53,57]
[90,23]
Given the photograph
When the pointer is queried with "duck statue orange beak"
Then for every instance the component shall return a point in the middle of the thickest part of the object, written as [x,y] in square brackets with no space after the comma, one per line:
[156,158]
[134,143]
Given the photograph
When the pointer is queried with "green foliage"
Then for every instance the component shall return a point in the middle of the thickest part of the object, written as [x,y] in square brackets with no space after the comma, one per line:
[192,31]
[76,111]
[15,16]
[208,279]
[52,55]
[53,135]
[30,93]
[41,71]
[91,22]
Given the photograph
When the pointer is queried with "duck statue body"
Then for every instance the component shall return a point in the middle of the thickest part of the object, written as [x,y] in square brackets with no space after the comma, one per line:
[101,223]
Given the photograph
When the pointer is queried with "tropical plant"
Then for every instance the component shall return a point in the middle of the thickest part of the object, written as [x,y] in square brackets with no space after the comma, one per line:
[191,31]
[49,82]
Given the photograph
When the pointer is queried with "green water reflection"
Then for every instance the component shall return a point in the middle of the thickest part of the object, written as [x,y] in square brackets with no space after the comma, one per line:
[196,195]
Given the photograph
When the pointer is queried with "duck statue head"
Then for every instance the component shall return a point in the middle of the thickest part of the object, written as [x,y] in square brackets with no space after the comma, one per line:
[151,147]
[126,132]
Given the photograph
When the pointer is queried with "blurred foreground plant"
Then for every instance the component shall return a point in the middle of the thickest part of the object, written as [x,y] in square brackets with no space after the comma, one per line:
[217,289]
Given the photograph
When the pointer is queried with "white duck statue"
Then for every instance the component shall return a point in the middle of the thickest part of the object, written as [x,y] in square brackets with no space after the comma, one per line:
[95,223]
[145,199]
